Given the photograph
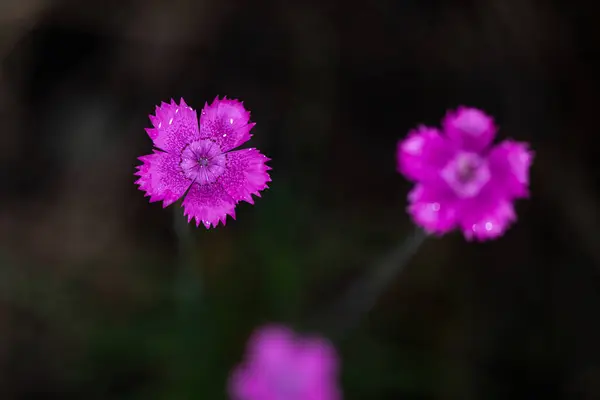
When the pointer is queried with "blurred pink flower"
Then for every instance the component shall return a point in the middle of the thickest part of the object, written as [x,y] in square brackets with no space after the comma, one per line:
[280,365]
[462,180]
[197,161]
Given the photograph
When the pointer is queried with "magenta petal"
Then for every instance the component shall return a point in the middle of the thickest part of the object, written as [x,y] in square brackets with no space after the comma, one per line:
[209,204]
[490,222]
[161,178]
[317,358]
[246,384]
[271,346]
[226,122]
[509,164]
[245,174]
[469,127]
[175,126]
[433,207]
[423,153]
[318,365]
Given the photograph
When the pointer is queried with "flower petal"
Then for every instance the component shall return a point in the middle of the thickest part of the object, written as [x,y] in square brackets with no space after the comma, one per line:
[423,153]
[245,174]
[271,347]
[317,360]
[161,177]
[434,208]
[175,126]
[226,122]
[509,165]
[470,128]
[209,204]
[489,221]
[245,383]
[318,365]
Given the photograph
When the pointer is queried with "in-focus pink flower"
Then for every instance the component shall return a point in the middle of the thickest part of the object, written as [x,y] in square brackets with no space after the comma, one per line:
[198,162]
[462,180]
[280,365]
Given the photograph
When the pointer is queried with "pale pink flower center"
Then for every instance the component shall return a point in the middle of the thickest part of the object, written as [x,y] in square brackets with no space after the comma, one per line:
[202,161]
[466,174]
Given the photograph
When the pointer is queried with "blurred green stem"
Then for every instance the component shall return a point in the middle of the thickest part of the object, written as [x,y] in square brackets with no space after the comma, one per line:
[189,329]
[187,281]
[363,294]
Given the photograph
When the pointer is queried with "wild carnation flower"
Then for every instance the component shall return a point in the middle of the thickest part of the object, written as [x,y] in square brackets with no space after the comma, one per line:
[462,180]
[280,365]
[198,162]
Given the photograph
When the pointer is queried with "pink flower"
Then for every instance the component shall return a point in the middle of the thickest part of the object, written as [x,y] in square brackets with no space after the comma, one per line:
[198,162]
[280,365]
[462,181]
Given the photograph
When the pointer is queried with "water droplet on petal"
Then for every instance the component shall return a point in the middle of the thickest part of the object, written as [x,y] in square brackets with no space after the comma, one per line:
[224,134]
[159,124]
[177,110]
[170,121]
[488,226]
[474,228]
[435,206]
[231,120]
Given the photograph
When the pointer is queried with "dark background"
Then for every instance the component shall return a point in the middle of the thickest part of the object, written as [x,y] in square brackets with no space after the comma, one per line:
[88,266]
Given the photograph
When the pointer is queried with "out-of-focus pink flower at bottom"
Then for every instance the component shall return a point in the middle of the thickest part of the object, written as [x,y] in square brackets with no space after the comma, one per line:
[281,365]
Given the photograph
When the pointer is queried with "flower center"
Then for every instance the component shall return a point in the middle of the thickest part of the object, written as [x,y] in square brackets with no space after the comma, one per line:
[202,161]
[466,174]
[466,170]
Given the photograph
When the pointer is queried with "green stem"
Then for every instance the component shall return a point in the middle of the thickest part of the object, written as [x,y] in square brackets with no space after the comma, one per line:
[187,281]
[361,297]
